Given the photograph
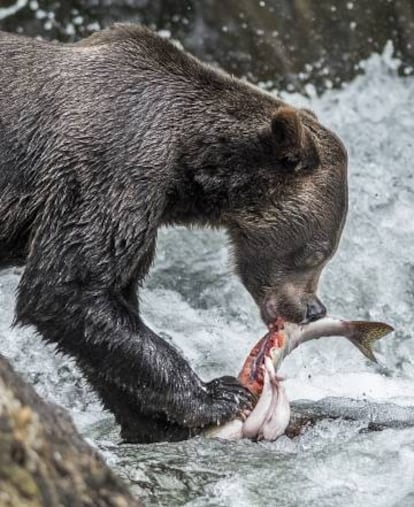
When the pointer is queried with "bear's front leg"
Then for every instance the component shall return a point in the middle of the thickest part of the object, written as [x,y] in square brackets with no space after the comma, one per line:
[79,291]
[152,391]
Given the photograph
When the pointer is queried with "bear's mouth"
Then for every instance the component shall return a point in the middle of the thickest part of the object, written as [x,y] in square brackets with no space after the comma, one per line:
[271,310]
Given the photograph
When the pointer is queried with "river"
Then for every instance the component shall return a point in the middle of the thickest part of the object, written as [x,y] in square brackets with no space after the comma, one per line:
[193,298]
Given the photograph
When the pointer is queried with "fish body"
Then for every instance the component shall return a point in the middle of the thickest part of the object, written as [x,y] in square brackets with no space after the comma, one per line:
[362,334]
[270,416]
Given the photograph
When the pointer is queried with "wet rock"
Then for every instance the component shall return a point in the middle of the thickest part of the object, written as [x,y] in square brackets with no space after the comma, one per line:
[374,416]
[43,460]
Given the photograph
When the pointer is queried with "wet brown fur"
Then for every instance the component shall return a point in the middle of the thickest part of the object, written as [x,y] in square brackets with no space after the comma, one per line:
[103,142]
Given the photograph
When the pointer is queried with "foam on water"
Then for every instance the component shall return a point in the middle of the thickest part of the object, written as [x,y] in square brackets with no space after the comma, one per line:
[5,12]
[193,297]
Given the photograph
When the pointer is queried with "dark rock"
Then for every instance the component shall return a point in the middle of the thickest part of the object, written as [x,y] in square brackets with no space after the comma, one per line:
[374,416]
[43,460]
[286,42]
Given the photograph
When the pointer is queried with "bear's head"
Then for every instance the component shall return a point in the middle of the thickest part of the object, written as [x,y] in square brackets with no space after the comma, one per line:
[288,226]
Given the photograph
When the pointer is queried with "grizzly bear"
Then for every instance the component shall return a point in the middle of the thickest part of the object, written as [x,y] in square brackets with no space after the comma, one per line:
[104,141]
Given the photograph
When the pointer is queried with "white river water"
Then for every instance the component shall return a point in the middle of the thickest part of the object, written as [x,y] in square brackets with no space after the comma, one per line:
[193,296]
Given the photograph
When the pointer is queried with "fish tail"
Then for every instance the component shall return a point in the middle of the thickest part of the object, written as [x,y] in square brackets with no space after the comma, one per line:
[364,334]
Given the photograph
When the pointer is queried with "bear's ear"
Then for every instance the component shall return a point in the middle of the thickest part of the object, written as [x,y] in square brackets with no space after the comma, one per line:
[292,145]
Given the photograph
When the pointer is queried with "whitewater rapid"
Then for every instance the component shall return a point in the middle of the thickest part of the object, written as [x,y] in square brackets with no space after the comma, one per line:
[193,298]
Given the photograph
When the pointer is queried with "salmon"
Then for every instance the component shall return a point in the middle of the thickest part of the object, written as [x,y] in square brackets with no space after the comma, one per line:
[271,414]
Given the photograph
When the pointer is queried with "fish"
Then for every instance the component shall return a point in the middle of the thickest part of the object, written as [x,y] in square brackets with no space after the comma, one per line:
[271,414]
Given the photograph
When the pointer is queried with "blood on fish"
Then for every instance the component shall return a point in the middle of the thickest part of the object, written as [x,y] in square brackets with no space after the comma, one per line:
[270,416]
[251,375]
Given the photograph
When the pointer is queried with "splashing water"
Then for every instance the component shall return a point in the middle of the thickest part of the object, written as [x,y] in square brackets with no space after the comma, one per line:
[5,12]
[193,296]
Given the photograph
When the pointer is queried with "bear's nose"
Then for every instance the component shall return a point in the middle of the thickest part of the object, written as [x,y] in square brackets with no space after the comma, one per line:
[315,310]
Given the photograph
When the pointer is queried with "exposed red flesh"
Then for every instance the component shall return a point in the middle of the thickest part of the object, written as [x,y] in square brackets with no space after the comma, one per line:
[251,375]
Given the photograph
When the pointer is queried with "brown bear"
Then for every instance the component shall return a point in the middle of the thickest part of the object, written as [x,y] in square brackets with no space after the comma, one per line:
[104,141]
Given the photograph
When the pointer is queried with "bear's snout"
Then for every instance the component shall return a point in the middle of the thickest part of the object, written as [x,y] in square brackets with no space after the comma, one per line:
[292,309]
[281,305]
[315,309]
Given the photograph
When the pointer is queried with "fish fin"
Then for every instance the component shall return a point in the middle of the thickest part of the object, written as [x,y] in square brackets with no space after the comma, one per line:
[364,334]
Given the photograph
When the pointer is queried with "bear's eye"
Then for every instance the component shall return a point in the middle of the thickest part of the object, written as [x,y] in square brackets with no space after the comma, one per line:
[304,258]
[314,260]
